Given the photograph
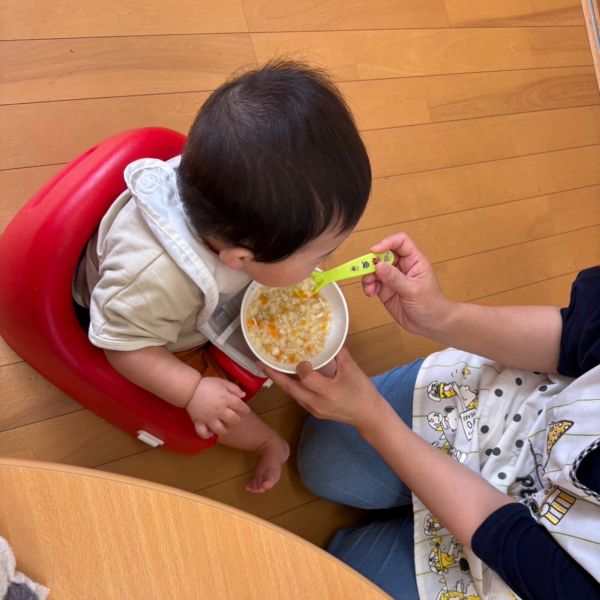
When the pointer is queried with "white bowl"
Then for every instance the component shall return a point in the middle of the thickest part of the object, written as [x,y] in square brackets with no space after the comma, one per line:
[335,339]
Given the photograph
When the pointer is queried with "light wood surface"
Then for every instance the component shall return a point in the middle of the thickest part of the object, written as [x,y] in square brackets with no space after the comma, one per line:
[405,53]
[513,12]
[32,19]
[482,120]
[88,534]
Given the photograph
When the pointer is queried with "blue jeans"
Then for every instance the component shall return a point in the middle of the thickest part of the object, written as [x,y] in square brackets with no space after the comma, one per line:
[337,464]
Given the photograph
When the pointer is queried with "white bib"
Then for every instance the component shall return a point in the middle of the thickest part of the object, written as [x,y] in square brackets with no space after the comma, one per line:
[153,185]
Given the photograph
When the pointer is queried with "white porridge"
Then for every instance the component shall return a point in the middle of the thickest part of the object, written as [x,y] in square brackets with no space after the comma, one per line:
[289,324]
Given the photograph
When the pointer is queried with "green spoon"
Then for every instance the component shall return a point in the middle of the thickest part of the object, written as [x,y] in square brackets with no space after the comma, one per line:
[357,267]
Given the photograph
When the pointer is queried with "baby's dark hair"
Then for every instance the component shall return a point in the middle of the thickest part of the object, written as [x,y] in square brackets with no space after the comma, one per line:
[273,160]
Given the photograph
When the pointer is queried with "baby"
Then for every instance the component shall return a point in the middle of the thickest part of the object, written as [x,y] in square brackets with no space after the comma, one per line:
[273,178]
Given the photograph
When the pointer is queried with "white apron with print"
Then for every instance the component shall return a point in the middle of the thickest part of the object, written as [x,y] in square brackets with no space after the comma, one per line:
[153,185]
[525,433]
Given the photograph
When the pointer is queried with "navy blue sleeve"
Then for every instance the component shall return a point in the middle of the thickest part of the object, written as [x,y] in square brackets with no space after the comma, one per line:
[580,338]
[580,350]
[588,471]
[526,556]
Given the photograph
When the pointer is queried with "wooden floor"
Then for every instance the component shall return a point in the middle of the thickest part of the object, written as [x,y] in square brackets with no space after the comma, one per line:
[482,120]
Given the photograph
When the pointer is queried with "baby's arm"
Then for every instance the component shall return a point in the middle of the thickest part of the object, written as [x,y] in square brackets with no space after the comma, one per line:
[210,401]
[157,370]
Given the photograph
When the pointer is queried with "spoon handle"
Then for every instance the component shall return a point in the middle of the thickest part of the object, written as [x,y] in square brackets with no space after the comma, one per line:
[357,267]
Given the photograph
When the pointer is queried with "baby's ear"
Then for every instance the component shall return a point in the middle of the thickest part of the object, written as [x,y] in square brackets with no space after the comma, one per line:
[236,257]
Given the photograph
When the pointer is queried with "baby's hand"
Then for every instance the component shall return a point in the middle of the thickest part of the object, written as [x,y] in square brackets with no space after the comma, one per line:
[216,404]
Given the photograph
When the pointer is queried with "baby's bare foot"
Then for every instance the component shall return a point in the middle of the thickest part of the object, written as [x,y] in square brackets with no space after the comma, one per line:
[271,456]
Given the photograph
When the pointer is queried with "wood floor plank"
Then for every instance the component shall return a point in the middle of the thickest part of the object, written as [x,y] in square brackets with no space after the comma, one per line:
[289,493]
[376,104]
[43,70]
[182,471]
[551,292]
[318,521]
[79,438]
[471,277]
[384,103]
[355,55]
[383,348]
[210,467]
[493,94]
[516,13]
[307,15]
[27,397]
[31,19]
[83,123]
[424,147]
[458,234]
[7,355]
[18,186]
[268,400]
[419,195]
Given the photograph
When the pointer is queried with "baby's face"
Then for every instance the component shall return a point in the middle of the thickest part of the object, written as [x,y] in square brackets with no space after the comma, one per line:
[299,265]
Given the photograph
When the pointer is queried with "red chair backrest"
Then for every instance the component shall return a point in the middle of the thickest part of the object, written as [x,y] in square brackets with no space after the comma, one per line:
[39,251]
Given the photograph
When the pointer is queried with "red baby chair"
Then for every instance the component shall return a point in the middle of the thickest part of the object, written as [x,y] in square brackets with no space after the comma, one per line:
[38,254]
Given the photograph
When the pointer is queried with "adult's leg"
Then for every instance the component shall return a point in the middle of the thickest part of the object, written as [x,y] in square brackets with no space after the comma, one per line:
[383,552]
[337,464]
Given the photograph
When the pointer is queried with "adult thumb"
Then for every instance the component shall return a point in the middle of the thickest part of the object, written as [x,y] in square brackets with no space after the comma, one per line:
[391,276]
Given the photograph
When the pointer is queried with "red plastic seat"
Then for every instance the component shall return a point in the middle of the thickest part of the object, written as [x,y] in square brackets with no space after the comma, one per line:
[39,251]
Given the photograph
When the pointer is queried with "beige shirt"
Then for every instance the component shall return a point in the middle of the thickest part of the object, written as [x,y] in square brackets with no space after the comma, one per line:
[137,294]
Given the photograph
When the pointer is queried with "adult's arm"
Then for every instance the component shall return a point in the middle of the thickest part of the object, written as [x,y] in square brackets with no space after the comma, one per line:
[455,494]
[528,558]
[525,337]
[500,531]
